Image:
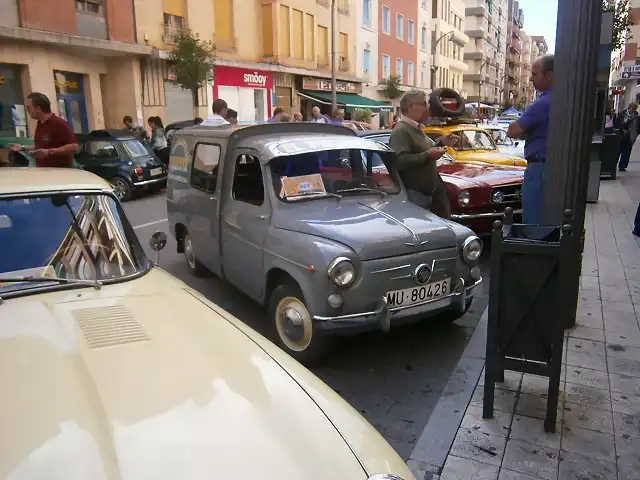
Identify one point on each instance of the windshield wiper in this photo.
(364, 189)
(34, 278)
(316, 195)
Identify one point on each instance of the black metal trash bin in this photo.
(527, 306)
(609, 155)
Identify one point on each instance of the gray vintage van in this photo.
(296, 216)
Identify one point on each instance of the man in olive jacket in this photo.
(416, 155)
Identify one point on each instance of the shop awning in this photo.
(349, 100)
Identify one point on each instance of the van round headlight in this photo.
(464, 198)
(342, 272)
(471, 249)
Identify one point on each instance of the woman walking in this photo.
(158, 140)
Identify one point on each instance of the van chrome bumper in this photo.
(383, 315)
(474, 216)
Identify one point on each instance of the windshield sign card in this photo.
(304, 185)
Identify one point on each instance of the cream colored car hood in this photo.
(141, 380)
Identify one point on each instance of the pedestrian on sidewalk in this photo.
(417, 154)
(297, 117)
(277, 113)
(232, 116)
(219, 108)
(628, 123)
(54, 141)
(317, 117)
(533, 127)
(337, 117)
(158, 141)
(138, 132)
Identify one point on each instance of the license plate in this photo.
(156, 171)
(411, 296)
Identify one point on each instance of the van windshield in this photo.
(333, 172)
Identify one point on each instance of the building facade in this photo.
(425, 18)
(624, 76)
(486, 26)
(513, 61)
(448, 43)
(82, 54)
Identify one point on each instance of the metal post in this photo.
(334, 97)
(571, 125)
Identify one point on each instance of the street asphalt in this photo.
(394, 380)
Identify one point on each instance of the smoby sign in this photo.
(242, 77)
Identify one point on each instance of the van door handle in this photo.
(262, 217)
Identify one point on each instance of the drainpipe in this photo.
(334, 96)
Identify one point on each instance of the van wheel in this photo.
(121, 188)
(196, 268)
(293, 325)
(450, 317)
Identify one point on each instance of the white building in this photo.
(423, 78)
(486, 26)
(367, 47)
(449, 41)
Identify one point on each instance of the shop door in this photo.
(71, 102)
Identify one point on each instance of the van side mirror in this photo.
(157, 242)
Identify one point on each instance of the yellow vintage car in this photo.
(113, 368)
(473, 144)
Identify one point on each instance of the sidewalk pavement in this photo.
(598, 432)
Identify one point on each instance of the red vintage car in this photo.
(479, 192)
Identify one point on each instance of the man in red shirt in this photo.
(55, 143)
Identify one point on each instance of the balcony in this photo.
(475, 77)
(473, 55)
(477, 11)
(475, 32)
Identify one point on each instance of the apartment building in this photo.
(423, 79)
(448, 44)
(525, 86)
(82, 54)
(486, 27)
(269, 53)
(624, 73)
(514, 53)
(541, 43)
(398, 40)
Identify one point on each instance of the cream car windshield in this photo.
(68, 238)
(472, 140)
(333, 173)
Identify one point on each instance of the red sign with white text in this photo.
(241, 77)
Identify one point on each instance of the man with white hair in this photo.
(417, 154)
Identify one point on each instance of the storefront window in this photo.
(13, 122)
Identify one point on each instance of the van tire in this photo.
(306, 342)
(193, 264)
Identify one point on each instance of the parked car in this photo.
(116, 369)
(124, 161)
(478, 192)
(287, 213)
(505, 144)
(473, 144)
(174, 127)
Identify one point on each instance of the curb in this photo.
(432, 448)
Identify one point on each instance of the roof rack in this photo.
(443, 121)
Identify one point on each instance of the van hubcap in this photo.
(188, 252)
(294, 325)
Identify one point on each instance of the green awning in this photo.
(349, 100)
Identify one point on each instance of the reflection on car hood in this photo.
(141, 380)
(372, 228)
(476, 174)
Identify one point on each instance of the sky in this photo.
(540, 17)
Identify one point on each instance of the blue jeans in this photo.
(532, 193)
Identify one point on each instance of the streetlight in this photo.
(334, 95)
(434, 68)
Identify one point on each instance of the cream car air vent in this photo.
(109, 326)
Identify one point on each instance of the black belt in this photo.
(535, 159)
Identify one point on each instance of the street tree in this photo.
(192, 63)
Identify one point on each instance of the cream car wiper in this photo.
(97, 284)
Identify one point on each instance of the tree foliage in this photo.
(362, 115)
(391, 87)
(192, 62)
(620, 21)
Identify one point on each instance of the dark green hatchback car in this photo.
(123, 160)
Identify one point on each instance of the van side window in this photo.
(247, 180)
(204, 174)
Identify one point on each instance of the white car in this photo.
(505, 144)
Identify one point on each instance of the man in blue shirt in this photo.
(533, 127)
